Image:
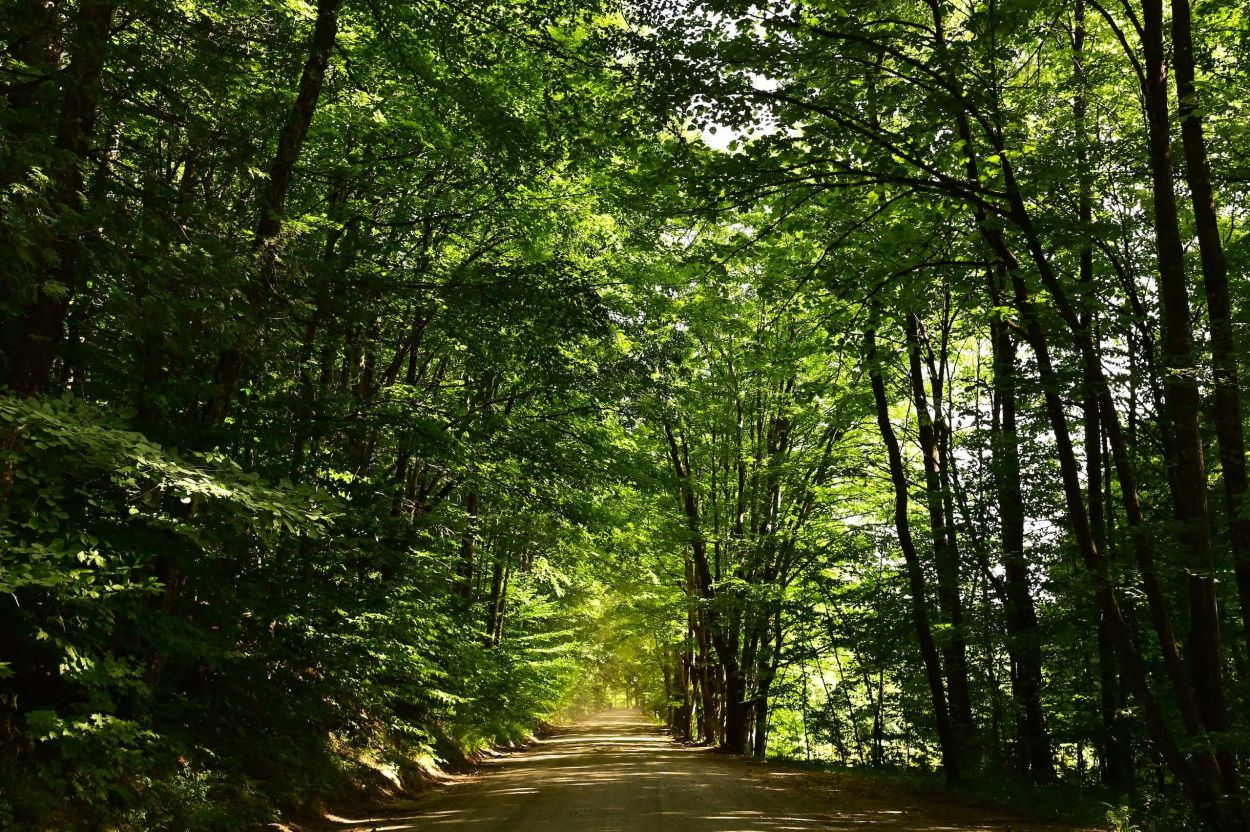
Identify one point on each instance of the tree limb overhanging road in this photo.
(858, 389)
(616, 772)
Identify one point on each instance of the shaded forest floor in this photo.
(615, 772)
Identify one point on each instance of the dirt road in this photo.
(615, 772)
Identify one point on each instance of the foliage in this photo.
(382, 381)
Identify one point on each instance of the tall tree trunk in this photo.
(709, 718)
(1226, 395)
(272, 208)
(39, 328)
(915, 573)
(41, 324)
(770, 657)
(1116, 770)
(498, 593)
(1203, 785)
(1181, 388)
(707, 685)
(1023, 638)
(945, 555)
(734, 704)
(686, 658)
(1093, 377)
(468, 543)
(1111, 753)
(496, 633)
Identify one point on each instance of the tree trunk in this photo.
(734, 739)
(1117, 764)
(260, 289)
(769, 659)
(707, 686)
(915, 573)
(41, 324)
(687, 692)
(1199, 786)
(946, 558)
(1181, 388)
(1204, 786)
(464, 566)
(1226, 396)
(498, 594)
(1023, 638)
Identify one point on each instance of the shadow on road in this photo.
(614, 772)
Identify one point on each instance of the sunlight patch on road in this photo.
(632, 779)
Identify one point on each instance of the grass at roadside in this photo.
(1087, 807)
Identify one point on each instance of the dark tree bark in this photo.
(734, 704)
(915, 573)
(1024, 640)
(1226, 396)
(1116, 771)
(1202, 785)
(1181, 388)
(770, 657)
(500, 569)
(272, 208)
(1108, 678)
(1205, 783)
(946, 558)
(41, 324)
(702, 674)
(468, 545)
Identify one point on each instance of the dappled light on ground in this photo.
(614, 772)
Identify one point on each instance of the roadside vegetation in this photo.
(859, 384)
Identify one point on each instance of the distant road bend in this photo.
(615, 772)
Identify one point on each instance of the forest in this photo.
(858, 383)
